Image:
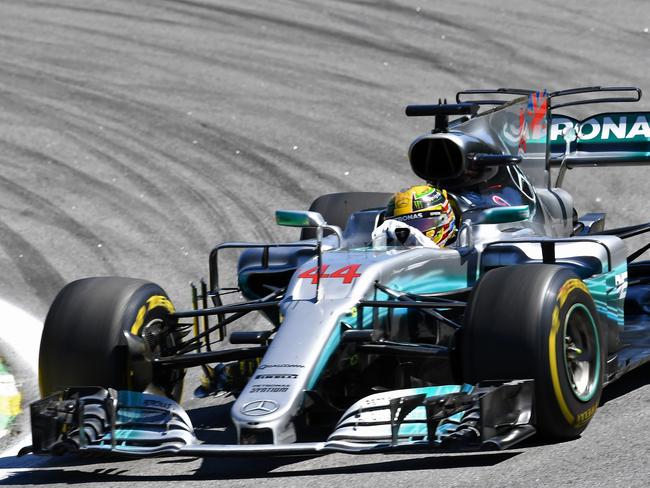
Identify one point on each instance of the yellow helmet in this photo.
(427, 209)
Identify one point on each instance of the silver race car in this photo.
(376, 344)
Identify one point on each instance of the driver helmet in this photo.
(427, 209)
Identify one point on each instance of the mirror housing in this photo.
(306, 218)
(299, 218)
(504, 215)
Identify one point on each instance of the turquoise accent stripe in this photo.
(331, 345)
(432, 282)
(609, 301)
(419, 413)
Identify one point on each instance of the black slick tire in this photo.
(538, 321)
(84, 342)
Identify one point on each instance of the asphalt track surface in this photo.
(136, 135)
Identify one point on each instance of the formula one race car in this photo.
(375, 345)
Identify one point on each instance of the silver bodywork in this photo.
(312, 327)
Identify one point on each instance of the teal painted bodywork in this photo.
(329, 349)
(433, 280)
(608, 292)
(418, 427)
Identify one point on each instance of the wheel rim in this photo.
(581, 352)
(169, 382)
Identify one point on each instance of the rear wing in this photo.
(605, 139)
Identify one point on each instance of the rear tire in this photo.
(84, 343)
(538, 321)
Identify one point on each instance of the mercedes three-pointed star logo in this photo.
(259, 407)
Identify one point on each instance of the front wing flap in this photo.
(485, 416)
(453, 418)
(98, 419)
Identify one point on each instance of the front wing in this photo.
(490, 416)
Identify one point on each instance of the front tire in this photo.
(538, 321)
(90, 330)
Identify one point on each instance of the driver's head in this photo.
(427, 209)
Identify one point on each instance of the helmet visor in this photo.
(423, 221)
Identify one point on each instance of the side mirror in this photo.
(502, 215)
(305, 218)
(299, 218)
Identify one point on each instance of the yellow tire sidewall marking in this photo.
(555, 378)
(153, 301)
(160, 301)
(568, 287)
(563, 294)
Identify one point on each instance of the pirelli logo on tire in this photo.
(153, 302)
(568, 287)
(583, 418)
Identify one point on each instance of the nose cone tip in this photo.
(259, 412)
